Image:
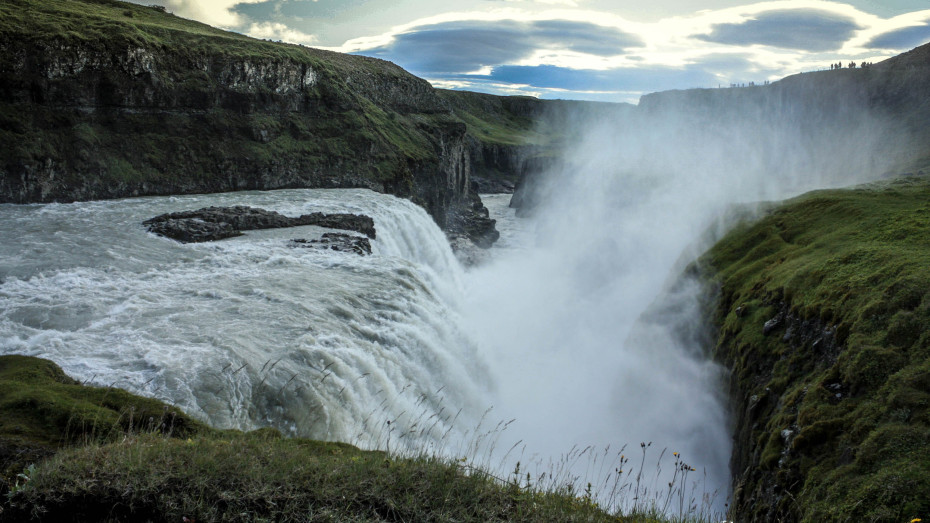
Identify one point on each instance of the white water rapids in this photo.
(249, 331)
(402, 349)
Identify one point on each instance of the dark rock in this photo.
(773, 324)
(350, 222)
(193, 230)
(216, 223)
(337, 241)
(472, 220)
(467, 252)
(239, 217)
(764, 493)
(491, 186)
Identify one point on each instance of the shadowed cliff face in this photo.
(133, 101)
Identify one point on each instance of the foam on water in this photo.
(247, 332)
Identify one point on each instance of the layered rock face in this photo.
(143, 110)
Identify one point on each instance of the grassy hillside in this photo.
(112, 96)
(75, 453)
(824, 319)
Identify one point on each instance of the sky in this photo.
(606, 50)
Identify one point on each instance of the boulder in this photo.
(192, 230)
(337, 241)
(216, 223)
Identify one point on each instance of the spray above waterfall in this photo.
(594, 333)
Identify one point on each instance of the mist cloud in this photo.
(803, 29)
(583, 37)
(593, 332)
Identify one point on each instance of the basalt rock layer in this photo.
(106, 99)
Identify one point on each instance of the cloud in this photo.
(803, 29)
(471, 45)
(457, 46)
(279, 31)
(583, 37)
(290, 10)
(219, 13)
(621, 80)
(905, 38)
(567, 3)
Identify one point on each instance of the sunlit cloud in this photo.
(470, 45)
(220, 13)
(904, 38)
(279, 31)
(558, 47)
(803, 29)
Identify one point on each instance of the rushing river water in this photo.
(251, 331)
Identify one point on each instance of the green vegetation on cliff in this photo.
(105, 98)
(824, 320)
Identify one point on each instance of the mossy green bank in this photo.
(824, 321)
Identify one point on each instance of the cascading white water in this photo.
(557, 332)
(249, 331)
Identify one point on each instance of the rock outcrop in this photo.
(822, 320)
(757, 492)
(336, 241)
(217, 223)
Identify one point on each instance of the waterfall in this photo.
(250, 332)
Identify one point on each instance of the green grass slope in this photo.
(833, 397)
(73, 453)
(42, 410)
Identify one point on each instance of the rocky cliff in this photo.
(105, 99)
(835, 114)
(862, 120)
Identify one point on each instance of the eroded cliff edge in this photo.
(822, 318)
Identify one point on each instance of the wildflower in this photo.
(916, 520)
(675, 454)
